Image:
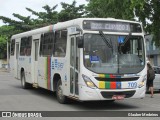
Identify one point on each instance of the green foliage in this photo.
(50, 16)
(119, 9)
(148, 12)
(18, 25)
(3, 46)
(28, 23)
(5, 34)
(70, 12)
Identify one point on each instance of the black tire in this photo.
(24, 84)
(59, 93)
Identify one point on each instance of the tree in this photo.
(119, 9)
(50, 16)
(23, 24)
(70, 11)
(3, 43)
(27, 23)
(3, 46)
(148, 12)
(6, 32)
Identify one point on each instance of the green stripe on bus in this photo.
(107, 85)
(107, 76)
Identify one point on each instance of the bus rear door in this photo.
(35, 62)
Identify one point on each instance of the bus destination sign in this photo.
(112, 26)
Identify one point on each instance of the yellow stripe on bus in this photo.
(101, 84)
(102, 75)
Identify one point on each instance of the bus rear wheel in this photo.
(59, 92)
(24, 84)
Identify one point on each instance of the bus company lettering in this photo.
(57, 65)
(111, 26)
(119, 27)
(21, 59)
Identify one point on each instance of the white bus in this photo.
(84, 59)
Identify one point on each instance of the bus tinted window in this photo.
(12, 46)
(25, 48)
(60, 43)
(28, 46)
(46, 47)
(40, 52)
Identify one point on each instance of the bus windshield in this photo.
(113, 54)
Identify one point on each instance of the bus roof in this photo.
(66, 24)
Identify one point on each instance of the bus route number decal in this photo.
(132, 84)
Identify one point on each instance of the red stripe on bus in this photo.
(113, 85)
(112, 76)
(49, 72)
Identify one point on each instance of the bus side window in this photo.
(23, 46)
(46, 46)
(28, 46)
(12, 46)
(60, 43)
(41, 45)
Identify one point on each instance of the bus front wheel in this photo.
(59, 92)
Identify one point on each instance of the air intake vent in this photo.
(117, 79)
(109, 94)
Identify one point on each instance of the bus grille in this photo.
(109, 94)
(117, 79)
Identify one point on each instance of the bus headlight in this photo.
(88, 81)
(142, 83)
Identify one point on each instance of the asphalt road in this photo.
(14, 98)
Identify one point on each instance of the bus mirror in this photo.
(80, 41)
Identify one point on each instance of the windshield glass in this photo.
(113, 54)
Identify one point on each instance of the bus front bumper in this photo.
(89, 94)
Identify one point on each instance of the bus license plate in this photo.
(118, 97)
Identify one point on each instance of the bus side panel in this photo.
(42, 72)
(12, 65)
(48, 67)
(59, 66)
(25, 63)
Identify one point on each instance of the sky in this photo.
(8, 7)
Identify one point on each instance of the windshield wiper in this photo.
(127, 38)
(106, 40)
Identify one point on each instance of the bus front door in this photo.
(74, 66)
